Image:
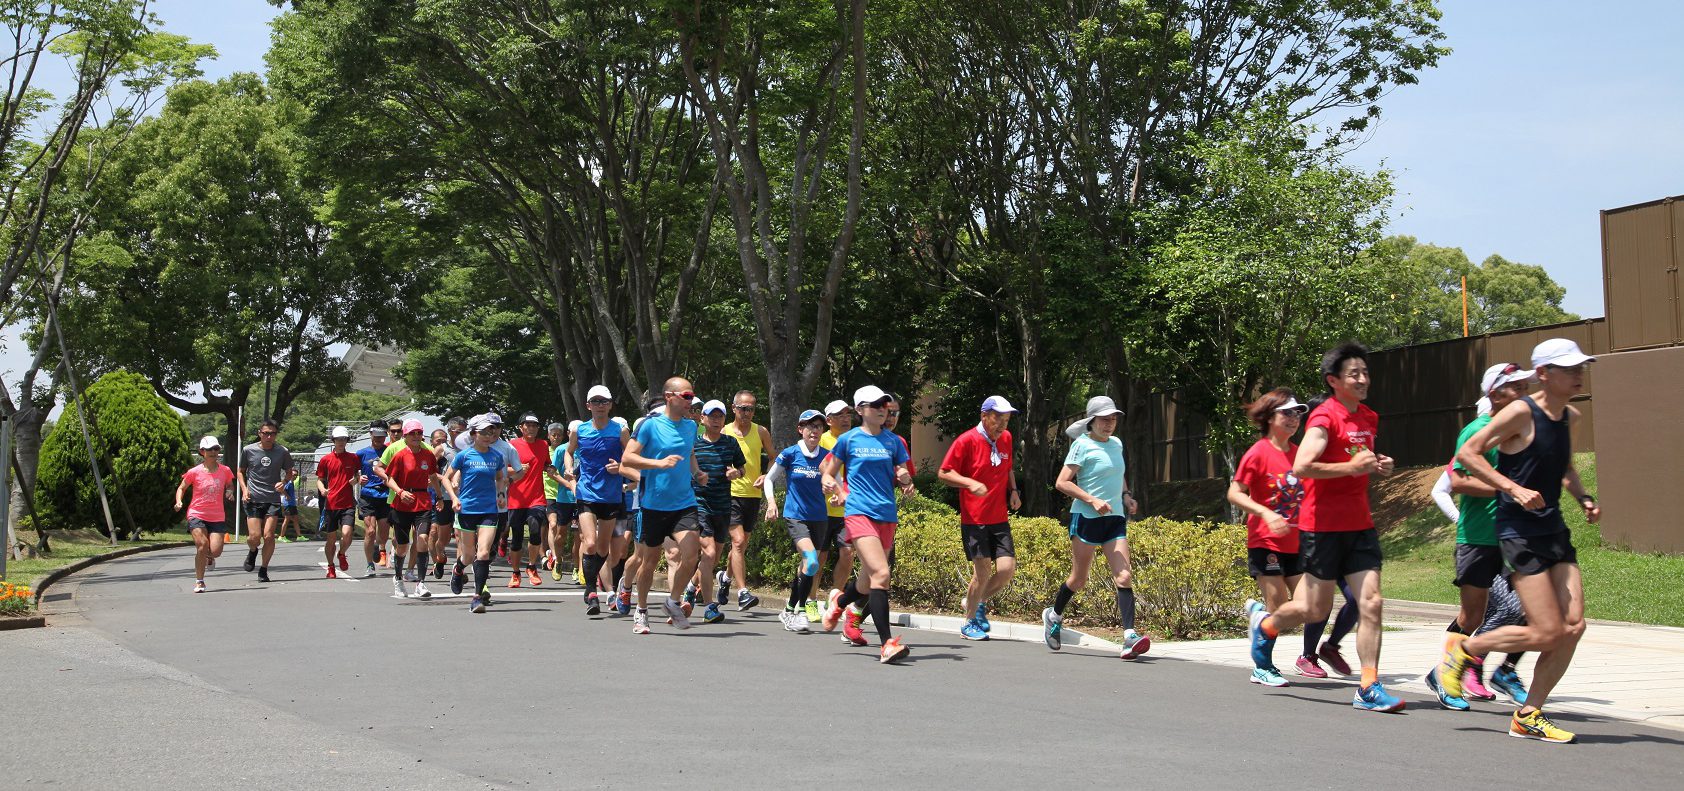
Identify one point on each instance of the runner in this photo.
(1095, 478)
(557, 539)
(1479, 559)
(336, 476)
(289, 514)
(871, 462)
(207, 516)
(746, 503)
(268, 469)
(528, 511)
(477, 474)
(593, 468)
(804, 513)
(979, 465)
(1336, 529)
(444, 514)
(663, 449)
(1534, 463)
(411, 473)
(371, 498)
(1265, 488)
(839, 419)
(721, 459)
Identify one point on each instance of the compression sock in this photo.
(1062, 599)
(397, 565)
(592, 570)
(878, 605)
(850, 595)
(619, 573)
(1369, 676)
(1344, 621)
(1312, 637)
(798, 589)
(1125, 606)
(1511, 661)
(482, 575)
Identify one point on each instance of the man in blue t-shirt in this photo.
(372, 505)
(663, 450)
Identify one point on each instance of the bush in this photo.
(1189, 577)
(142, 449)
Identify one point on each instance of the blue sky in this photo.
(1547, 112)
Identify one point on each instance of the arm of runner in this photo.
(954, 479)
(1240, 495)
(1507, 423)
(1571, 483)
(1441, 496)
(1066, 485)
(632, 458)
(181, 491)
(450, 480)
(1305, 465)
(571, 458)
(829, 468)
(1463, 483)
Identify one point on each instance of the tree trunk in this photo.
(26, 444)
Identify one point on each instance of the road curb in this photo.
(1002, 630)
(60, 573)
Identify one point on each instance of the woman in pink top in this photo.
(213, 487)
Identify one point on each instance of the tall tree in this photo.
(1425, 301)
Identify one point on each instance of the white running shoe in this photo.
(409, 576)
(397, 588)
(421, 591)
(802, 625)
(640, 622)
(676, 614)
(199, 586)
(787, 618)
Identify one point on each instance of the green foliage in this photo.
(1189, 576)
(142, 448)
(1425, 299)
(483, 350)
(306, 424)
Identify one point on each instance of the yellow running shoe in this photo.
(555, 572)
(1450, 671)
(579, 576)
(1537, 726)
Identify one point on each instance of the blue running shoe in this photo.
(1375, 698)
(981, 617)
(971, 631)
(1262, 647)
(1508, 682)
(1268, 677)
(476, 606)
(1448, 701)
(711, 614)
(1052, 628)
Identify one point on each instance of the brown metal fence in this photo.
(1424, 395)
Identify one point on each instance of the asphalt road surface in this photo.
(311, 682)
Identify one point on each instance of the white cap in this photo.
(491, 419)
(340, 432)
(1559, 352)
(870, 394)
(1291, 405)
(836, 407)
(1098, 406)
(695, 401)
(714, 405)
(598, 391)
(1496, 376)
(997, 404)
(533, 419)
(207, 442)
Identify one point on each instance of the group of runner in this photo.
(690, 480)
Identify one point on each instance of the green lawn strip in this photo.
(68, 550)
(1619, 585)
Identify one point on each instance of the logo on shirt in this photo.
(265, 461)
(1289, 494)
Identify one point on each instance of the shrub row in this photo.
(1189, 577)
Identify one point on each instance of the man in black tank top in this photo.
(1534, 463)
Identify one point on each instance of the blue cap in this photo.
(809, 414)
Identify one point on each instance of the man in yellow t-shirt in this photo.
(746, 498)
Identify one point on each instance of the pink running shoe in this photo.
(851, 627)
(1473, 687)
(1308, 668)
(1335, 661)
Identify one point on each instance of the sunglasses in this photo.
(1295, 411)
(685, 394)
(599, 402)
(744, 407)
(217, 449)
(265, 433)
(894, 413)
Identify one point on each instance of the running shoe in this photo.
(802, 625)
(687, 607)
(397, 587)
(1268, 677)
(385, 561)
(680, 618)
(746, 600)
(832, 611)
(851, 628)
(593, 605)
(690, 596)
(199, 586)
(1308, 668)
(485, 595)
(1375, 698)
(787, 618)
(1450, 670)
(438, 570)
(812, 610)
(532, 577)
(981, 617)
(723, 587)
(579, 576)
(711, 614)
(421, 591)
(409, 576)
(514, 579)
(369, 572)
(1473, 682)
(1451, 703)
(622, 602)
(1135, 644)
(344, 564)
(251, 560)
(1262, 646)
(1329, 653)
(555, 572)
(972, 631)
(893, 651)
(476, 605)
(1508, 682)
(458, 579)
(549, 558)
(263, 574)
(1537, 726)
(640, 622)
(1052, 628)
(332, 573)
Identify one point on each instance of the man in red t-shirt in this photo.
(979, 465)
(336, 481)
(1336, 531)
(414, 467)
(528, 510)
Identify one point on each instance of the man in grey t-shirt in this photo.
(267, 468)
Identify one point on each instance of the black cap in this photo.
(379, 424)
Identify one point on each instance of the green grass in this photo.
(1619, 585)
(71, 547)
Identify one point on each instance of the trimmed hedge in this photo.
(1189, 577)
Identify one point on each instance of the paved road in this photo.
(333, 682)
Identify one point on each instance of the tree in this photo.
(1425, 302)
(483, 351)
(142, 448)
(307, 424)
